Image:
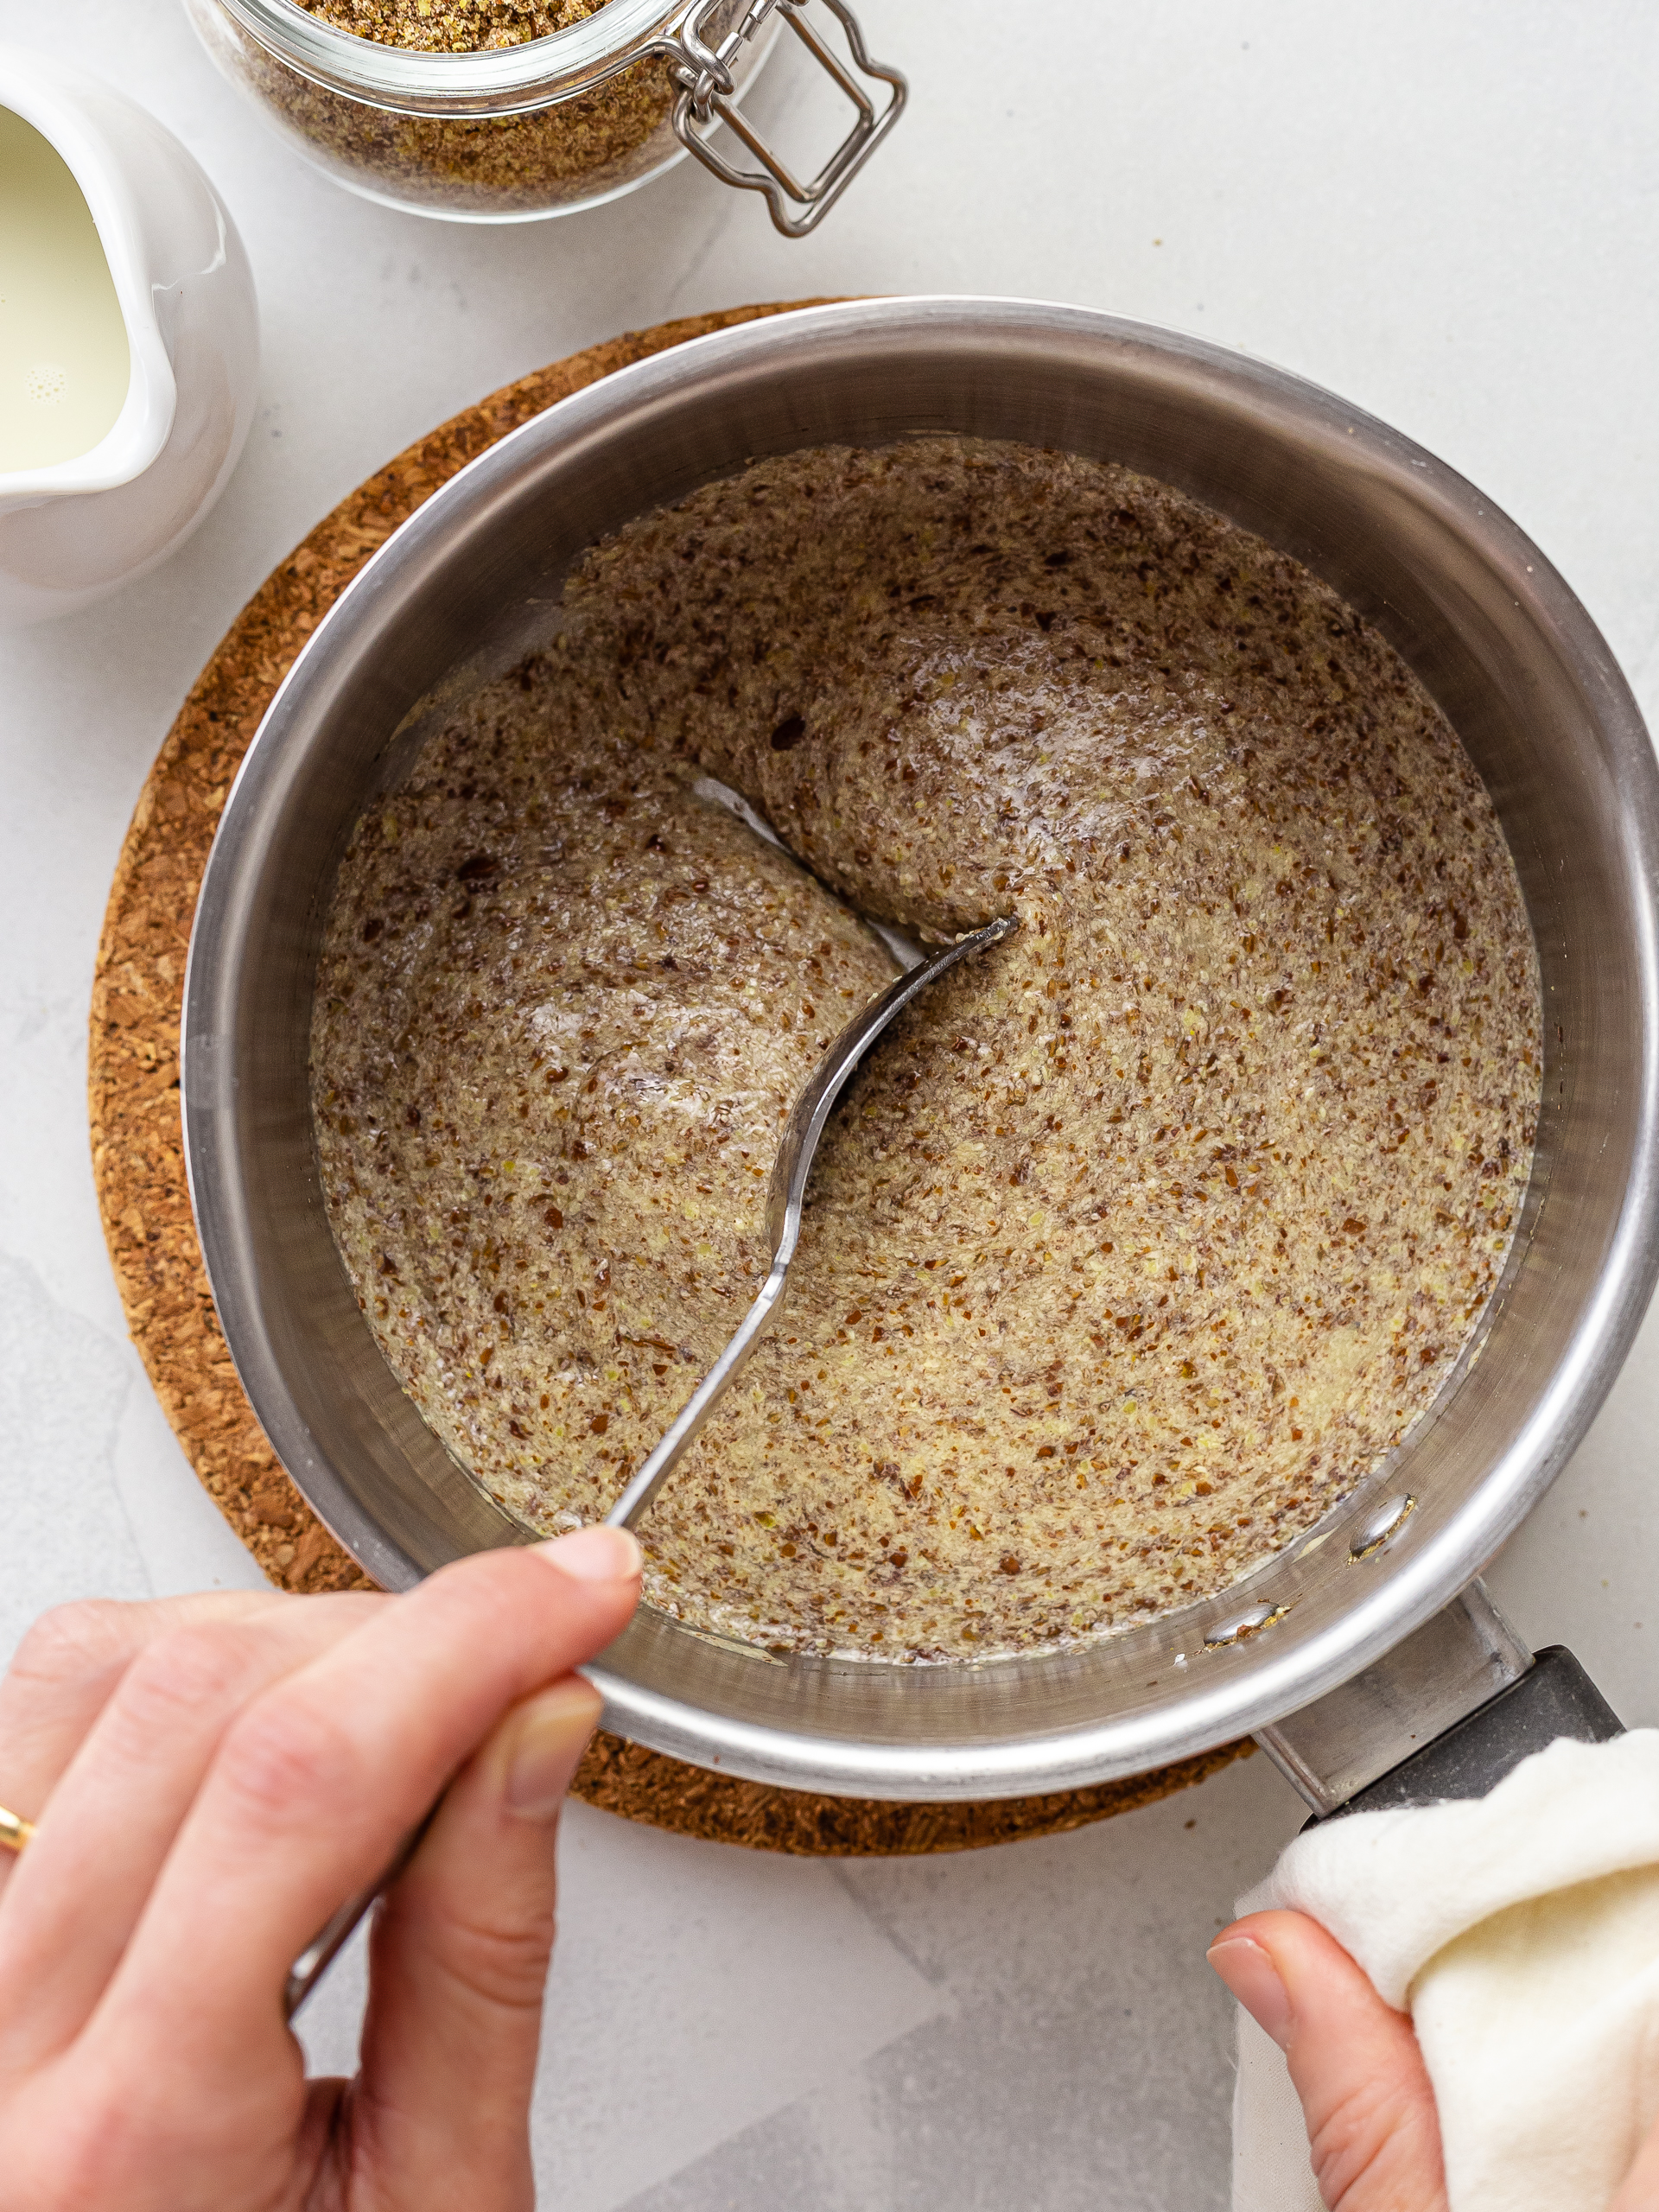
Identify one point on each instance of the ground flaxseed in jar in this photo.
(450, 25)
(1140, 1241)
(578, 147)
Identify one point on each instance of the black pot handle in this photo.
(1554, 1698)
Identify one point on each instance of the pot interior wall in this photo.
(475, 577)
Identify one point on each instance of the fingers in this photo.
(63, 1672)
(64, 1669)
(458, 1966)
(321, 1778)
(113, 1814)
(1372, 2128)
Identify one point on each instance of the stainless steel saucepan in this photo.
(1350, 1650)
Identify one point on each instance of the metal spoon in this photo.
(785, 1194)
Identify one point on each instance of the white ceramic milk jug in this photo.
(129, 339)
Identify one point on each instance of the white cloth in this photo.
(1521, 1931)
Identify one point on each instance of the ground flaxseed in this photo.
(1142, 1238)
(450, 25)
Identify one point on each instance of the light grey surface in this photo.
(1447, 211)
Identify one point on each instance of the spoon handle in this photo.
(701, 1403)
(338, 1930)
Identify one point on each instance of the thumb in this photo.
(458, 1962)
(1371, 2124)
(1639, 2191)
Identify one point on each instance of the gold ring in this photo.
(14, 1830)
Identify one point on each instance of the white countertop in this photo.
(1446, 210)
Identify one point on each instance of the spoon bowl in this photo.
(785, 1195)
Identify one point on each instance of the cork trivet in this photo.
(138, 1163)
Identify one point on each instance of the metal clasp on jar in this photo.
(703, 71)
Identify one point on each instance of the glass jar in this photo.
(510, 133)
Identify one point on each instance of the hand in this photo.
(211, 1778)
(1372, 2129)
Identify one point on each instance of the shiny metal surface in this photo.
(1450, 1668)
(15, 1833)
(707, 97)
(473, 578)
(785, 1196)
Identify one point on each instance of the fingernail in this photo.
(596, 1555)
(547, 1746)
(1254, 1979)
